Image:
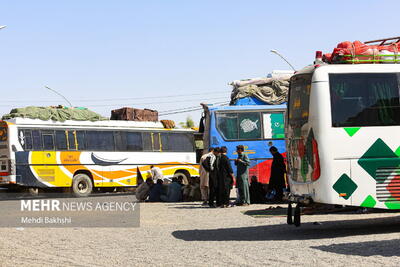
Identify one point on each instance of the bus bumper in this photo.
(7, 180)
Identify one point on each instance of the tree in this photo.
(188, 124)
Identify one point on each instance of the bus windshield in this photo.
(365, 99)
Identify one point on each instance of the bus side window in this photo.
(71, 140)
(249, 125)
(80, 137)
(156, 141)
(227, 125)
(147, 142)
(48, 140)
(25, 137)
(120, 141)
(165, 142)
(100, 140)
(134, 141)
(37, 140)
(181, 142)
(61, 140)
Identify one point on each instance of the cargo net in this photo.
(377, 51)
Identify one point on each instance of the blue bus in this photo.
(257, 127)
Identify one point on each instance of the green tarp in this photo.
(54, 113)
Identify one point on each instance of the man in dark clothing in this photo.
(278, 170)
(213, 179)
(156, 191)
(257, 193)
(225, 179)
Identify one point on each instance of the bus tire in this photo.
(82, 185)
(297, 220)
(185, 176)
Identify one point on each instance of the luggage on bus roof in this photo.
(55, 113)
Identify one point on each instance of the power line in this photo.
(126, 98)
(189, 110)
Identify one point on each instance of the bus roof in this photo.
(252, 107)
(343, 68)
(93, 124)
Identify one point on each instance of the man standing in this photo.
(278, 170)
(213, 180)
(225, 179)
(242, 177)
(206, 163)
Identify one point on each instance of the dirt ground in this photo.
(186, 234)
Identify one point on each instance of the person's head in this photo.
(174, 180)
(211, 149)
(180, 180)
(254, 179)
(273, 150)
(149, 181)
(152, 166)
(159, 181)
(216, 151)
(223, 150)
(240, 149)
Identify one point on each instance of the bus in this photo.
(256, 127)
(84, 155)
(343, 132)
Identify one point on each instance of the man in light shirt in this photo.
(206, 165)
(156, 173)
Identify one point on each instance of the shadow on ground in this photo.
(385, 248)
(283, 232)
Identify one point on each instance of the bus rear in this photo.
(255, 127)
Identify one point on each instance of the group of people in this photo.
(217, 178)
(216, 181)
(155, 190)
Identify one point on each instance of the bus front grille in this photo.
(388, 184)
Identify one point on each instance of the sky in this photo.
(166, 55)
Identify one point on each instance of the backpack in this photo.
(207, 164)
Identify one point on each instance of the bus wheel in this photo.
(82, 185)
(184, 175)
(289, 214)
(296, 220)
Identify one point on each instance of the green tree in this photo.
(188, 124)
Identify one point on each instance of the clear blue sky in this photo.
(94, 51)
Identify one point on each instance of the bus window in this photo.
(156, 141)
(227, 125)
(249, 125)
(80, 137)
(37, 140)
(25, 138)
(71, 140)
(147, 143)
(48, 140)
(100, 140)
(134, 141)
(274, 126)
(299, 100)
(365, 99)
(164, 142)
(61, 140)
(180, 142)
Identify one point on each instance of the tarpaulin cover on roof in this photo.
(54, 113)
(271, 91)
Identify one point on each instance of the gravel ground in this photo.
(177, 234)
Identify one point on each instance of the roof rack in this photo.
(385, 41)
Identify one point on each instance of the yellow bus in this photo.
(84, 155)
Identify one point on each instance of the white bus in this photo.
(343, 136)
(83, 155)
